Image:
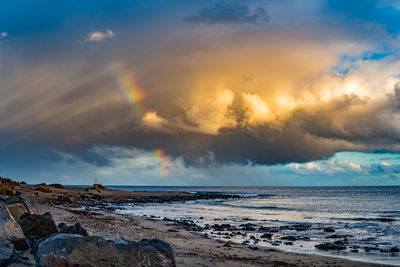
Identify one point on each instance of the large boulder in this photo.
(24, 200)
(16, 210)
(36, 226)
(10, 230)
(104, 251)
(6, 251)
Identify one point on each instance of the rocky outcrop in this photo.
(102, 251)
(6, 251)
(338, 245)
(66, 199)
(16, 210)
(24, 200)
(10, 230)
(36, 226)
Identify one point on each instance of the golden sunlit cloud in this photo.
(264, 96)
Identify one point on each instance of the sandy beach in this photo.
(191, 248)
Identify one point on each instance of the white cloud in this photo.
(3, 34)
(385, 164)
(98, 36)
(328, 167)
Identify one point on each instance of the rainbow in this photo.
(130, 93)
(165, 164)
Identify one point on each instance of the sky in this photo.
(256, 92)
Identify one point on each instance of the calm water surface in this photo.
(361, 216)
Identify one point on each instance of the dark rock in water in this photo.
(289, 243)
(222, 227)
(24, 200)
(104, 251)
(253, 248)
(10, 230)
(290, 237)
(267, 235)
(367, 249)
(16, 210)
(338, 245)
(389, 250)
(335, 236)
(248, 227)
(6, 251)
(301, 227)
(263, 228)
(386, 219)
(329, 230)
(73, 229)
(3, 198)
(36, 226)
(354, 250)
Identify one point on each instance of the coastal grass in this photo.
(7, 186)
(6, 190)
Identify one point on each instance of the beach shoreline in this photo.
(192, 248)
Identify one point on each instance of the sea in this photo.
(365, 219)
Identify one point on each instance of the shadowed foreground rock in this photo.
(6, 251)
(102, 251)
(10, 230)
(36, 226)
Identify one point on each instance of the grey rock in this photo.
(73, 229)
(17, 210)
(3, 198)
(6, 251)
(104, 251)
(10, 229)
(36, 226)
(24, 200)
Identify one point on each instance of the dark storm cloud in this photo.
(74, 102)
(228, 13)
(396, 96)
